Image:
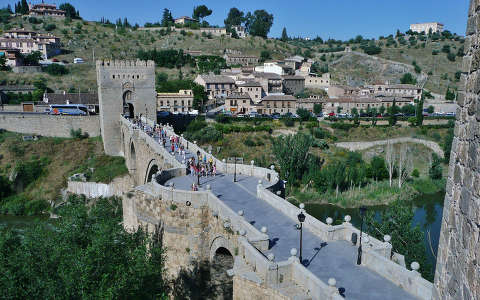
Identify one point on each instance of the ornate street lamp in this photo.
(198, 167)
(363, 210)
(301, 219)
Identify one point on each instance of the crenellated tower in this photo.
(124, 87)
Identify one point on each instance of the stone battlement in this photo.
(125, 64)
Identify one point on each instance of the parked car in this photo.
(332, 114)
(78, 60)
(342, 116)
(240, 116)
(320, 115)
(450, 114)
(254, 114)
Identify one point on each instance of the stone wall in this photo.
(94, 189)
(246, 289)
(48, 125)
(458, 261)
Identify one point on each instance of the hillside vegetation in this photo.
(32, 173)
(424, 57)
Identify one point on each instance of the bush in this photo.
(205, 135)
(49, 27)
(221, 118)
(320, 133)
(451, 56)
(415, 173)
(249, 143)
(77, 134)
(289, 122)
(56, 69)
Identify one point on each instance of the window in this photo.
(113, 76)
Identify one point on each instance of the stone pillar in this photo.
(458, 261)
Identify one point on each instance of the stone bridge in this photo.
(252, 224)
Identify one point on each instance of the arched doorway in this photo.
(151, 173)
(222, 262)
(133, 158)
(128, 109)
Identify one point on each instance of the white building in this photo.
(270, 68)
(426, 27)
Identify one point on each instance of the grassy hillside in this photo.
(90, 40)
(38, 170)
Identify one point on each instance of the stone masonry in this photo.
(124, 85)
(458, 260)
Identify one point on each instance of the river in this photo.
(428, 215)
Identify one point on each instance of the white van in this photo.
(78, 60)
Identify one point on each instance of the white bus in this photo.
(69, 109)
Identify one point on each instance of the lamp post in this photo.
(301, 219)
(363, 209)
(235, 169)
(198, 167)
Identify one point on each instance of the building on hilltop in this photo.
(216, 86)
(30, 41)
(409, 91)
(426, 27)
(215, 31)
(45, 10)
(185, 20)
(241, 103)
(275, 67)
(293, 85)
(175, 102)
(295, 62)
(271, 82)
(240, 30)
(312, 81)
(253, 89)
(279, 104)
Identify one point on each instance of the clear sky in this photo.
(339, 19)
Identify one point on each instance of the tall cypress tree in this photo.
(284, 35)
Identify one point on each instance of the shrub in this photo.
(56, 69)
(49, 27)
(221, 118)
(451, 56)
(289, 122)
(249, 143)
(320, 133)
(415, 173)
(77, 134)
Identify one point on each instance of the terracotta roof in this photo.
(73, 98)
(402, 86)
(279, 98)
(352, 100)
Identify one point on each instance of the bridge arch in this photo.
(222, 260)
(152, 168)
(128, 108)
(133, 157)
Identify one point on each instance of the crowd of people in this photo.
(206, 166)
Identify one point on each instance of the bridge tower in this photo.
(458, 273)
(124, 87)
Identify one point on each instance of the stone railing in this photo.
(219, 209)
(278, 274)
(269, 175)
(410, 281)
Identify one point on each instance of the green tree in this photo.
(378, 168)
(392, 111)
(435, 171)
(291, 153)
(235, 17)
(70, 11)
(354, 111)
(33, 58)
(451, 56)
(85, 254)
(430, 109)
(303, 114)
(284, 37)
(167, 19)
(407, 240)
(56, 69)
(3, 64)
(408, 78)
(447, 144)
(200, 12)
(265, 55)
(259, 23)
(419, 113)
(450, 95)
(317, 108)
(381, 110)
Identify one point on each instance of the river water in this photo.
(428, 215)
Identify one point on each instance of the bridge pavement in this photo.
(335, 259)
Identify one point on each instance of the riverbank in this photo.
(373, 194)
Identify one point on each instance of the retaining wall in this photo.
(94, 190)
(48, 125)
